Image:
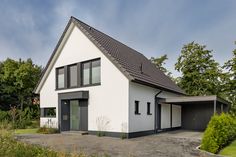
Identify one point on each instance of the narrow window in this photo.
(136, 107)
(60, 78)
(148, 108)
(73, 76)
(86, 73)
(96, 72)
(48, 112)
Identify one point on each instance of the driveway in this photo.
(169, 144)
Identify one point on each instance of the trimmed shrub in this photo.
(221, 130)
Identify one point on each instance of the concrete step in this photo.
(74, 132)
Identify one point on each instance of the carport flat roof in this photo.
(185, 99)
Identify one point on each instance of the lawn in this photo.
(26, 131)
(229, 150)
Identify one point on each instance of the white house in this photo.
(94, 83)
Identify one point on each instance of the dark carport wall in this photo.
(197, 110)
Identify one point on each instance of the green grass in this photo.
(26, 131)
(229, 150)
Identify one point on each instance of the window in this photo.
(73, 76)
(60, 78)
(48, 112)
(96, 71)
(91, 72)
(148, 108)
(136, 107)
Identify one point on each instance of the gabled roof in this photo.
(134, 65)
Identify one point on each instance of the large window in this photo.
(48, 112)
(60, 78)
(91, 72)
(73, 76)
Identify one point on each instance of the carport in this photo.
(196, 111)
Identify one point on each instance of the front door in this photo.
(74, 115)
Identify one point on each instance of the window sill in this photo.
(137, 113)
(149, 114)
(82, 86)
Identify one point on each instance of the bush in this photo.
(220, 131)
(4, 115)
(45, 130)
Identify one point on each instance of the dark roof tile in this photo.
(129, 59)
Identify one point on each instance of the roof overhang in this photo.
(194, 99)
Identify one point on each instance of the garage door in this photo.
(170, 116)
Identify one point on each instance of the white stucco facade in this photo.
(108, 101)
(113, 100)
(144, 94)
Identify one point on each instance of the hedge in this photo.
(221, 130)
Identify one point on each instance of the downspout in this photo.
(156, 113)
(214, 106)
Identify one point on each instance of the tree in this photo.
(201, 74)
(230, 81)
(18, 79)
(160, 62)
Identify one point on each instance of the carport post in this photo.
(214, 106)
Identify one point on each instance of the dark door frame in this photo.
(78, 95)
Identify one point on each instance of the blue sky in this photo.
(31, 28)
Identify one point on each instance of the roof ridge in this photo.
(106, 35)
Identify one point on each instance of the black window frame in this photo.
(57, 72)
(43, 112)
(69, 76)
(90, 73)
(136, 107)
(149, 108)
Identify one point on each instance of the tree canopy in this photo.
(160, 62)
(17, 79)
(200, 72)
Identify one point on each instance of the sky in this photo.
(32, 28)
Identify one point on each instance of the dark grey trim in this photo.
(65, 77)
(140, 133)
(79, 78)
(171, 115)
(120, 134)
(169, 129)
(110, 134)
(74, 95)
(157, 115)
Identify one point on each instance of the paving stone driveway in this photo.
(170, 144)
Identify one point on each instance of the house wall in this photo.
(143, 94)
(108, 102)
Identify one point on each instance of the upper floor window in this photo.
(91, 72)
(73, 75)
(60, 78)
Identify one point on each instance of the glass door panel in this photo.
(74, 115)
